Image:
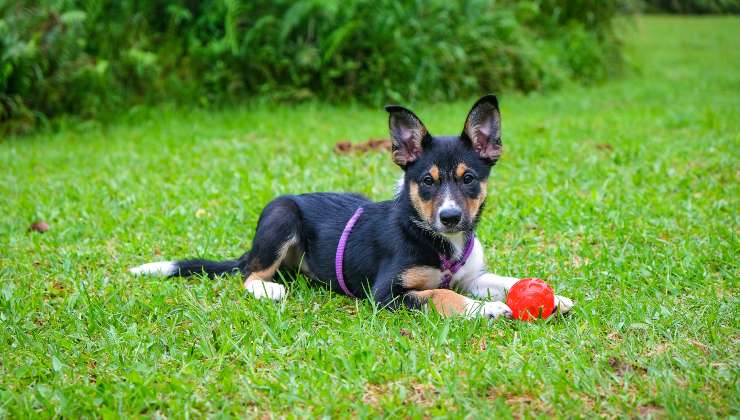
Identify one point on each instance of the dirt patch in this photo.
(651, 411)
(39, 226)
(373, 393)
(522, 405)
(621, 367)
(346, 147)
(482, 344)
(424, 395)
(658, 350)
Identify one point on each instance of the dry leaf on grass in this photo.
(39, 226)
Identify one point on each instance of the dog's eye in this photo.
(428, 180)
(468, 178)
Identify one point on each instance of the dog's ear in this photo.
(407, 134)
(483, 128)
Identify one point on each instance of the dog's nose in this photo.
(450, 217)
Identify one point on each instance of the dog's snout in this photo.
(450, 217)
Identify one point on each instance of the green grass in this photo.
(624, 196)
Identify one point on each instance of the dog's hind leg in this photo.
(277, 237)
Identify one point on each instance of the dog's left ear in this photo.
(483, 128)
(407, 134)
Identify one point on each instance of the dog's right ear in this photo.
(407, 134)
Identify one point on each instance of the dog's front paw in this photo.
(563, 304)
(487, 309)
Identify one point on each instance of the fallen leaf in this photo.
(39, 226)
(342, 147)
(621, 367)
(701, 346)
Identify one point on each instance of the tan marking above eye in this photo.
(421, 278)
(460, 170)
(425, 208)
(434, 172)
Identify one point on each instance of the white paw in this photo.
(563, 304)
(487, 309)
(265, 289)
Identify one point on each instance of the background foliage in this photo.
(87, 56)
(692, 6)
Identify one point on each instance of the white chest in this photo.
(473, 267)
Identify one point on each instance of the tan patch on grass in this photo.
(424, 395)
(522, 405)
(486, 342)
(482, 344)
(58, 286)
(651, 411)
(91, 372)
(578, 261)
(622, 367)
(658, 350)
(699, 345)
(373, 393)
(417, 393)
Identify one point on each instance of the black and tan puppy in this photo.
(406, 251)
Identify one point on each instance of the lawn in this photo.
(624, 196)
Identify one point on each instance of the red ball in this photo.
(530, 299)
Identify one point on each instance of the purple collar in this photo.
(339, 259)
(451, 266)
(448, 267)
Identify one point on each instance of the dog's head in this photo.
(445, 177)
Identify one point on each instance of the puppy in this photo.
(411, 251)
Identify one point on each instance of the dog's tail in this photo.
(187, 268)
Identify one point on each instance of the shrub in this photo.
(692, 6)
(88, 56)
